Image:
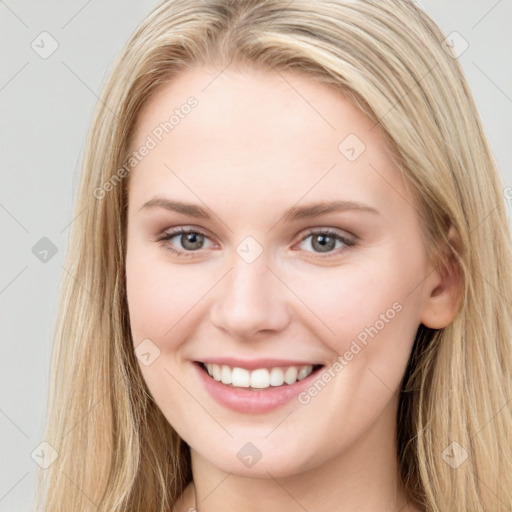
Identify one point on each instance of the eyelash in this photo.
(348, 243)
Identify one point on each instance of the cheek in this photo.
(374, 318)
(159, 295)
(363, 301)
(160, 303)
(370, 318)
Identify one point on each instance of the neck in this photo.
(363, 477)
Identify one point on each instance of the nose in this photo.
(251, 299)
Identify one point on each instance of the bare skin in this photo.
(255, 146)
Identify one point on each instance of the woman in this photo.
(290, 285)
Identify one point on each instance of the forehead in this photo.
(272, 108)
(255, 133)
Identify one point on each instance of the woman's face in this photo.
(305, 249)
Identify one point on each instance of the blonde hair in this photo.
(116, 451)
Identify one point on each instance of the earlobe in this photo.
(443, 290)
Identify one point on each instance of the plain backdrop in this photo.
(46, 108)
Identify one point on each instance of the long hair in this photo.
(115, 450)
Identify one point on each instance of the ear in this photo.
(443, 289)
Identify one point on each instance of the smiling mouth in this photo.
(258, 379)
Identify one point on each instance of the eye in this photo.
(324, 241)
(190, 240)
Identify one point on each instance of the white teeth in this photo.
(261, 378)
(240, 378)
(304, 372)
(216, 371)
(290, 375)
(276, 377)
(226, 374)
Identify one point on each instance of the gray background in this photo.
(46, 107)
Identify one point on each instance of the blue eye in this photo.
(190, 239)
(323, 241)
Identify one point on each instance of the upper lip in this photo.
(254, 364)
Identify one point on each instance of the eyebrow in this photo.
(309, 211)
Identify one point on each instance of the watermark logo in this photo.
(454, 455)
(44, 250)
(44, 45)
(351, 147)
(249, 454)
(249, 249)
(147, 352)
(44, 455)
(454, 45)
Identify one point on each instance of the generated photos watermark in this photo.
(151, 142)
(356, 346)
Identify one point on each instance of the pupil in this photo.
(325, 243)
(191, 240)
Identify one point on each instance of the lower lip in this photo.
(249, 401)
